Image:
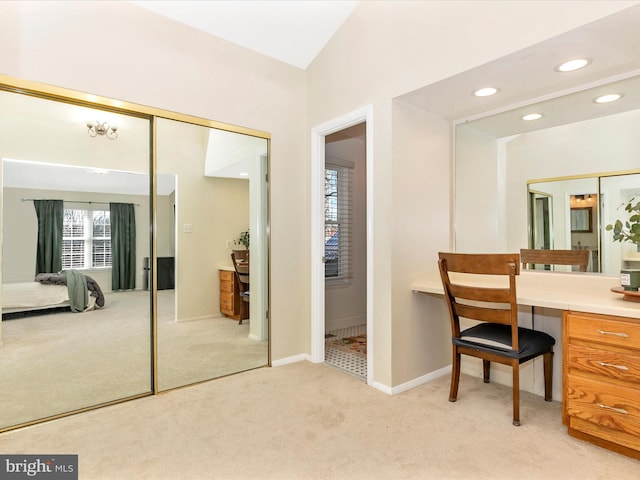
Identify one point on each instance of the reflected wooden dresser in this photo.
(229, 294)
(601, 380)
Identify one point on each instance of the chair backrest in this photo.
(242, 270)
(579, 258)
(477, 297)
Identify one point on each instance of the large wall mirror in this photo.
(550, 183)
(117, 227)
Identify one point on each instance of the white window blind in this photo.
(86, 239)
(338, 222)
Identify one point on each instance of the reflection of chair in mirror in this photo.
(497, 337)
(579, 258)
(241, 267)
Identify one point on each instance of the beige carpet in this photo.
(306, 421)
(56, 363)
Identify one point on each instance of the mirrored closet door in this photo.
(214, 192)
(75, 199)
(118, 222)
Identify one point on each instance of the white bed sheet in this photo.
(18, 297)
(33, 294)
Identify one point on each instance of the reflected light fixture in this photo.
(532, 116)
(96, 128)
(243, 174)
(611, 97)
(485, 92)
(573, 65)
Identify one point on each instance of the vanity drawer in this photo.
(226, 303)
(607, 364)
(226, 275)
(226, 286)
(613, 411)
(609, 331)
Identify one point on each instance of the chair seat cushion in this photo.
(494, 337)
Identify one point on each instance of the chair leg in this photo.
(516, 392)
(548, 375)
(486, 371)
(455, 375)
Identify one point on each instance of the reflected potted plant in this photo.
(242, 240)
(628, 231)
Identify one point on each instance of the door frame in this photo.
(318, 134)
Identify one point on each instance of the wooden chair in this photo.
(579, 258)
(241, 267)
(497, 338)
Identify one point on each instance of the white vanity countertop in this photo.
(579, 292)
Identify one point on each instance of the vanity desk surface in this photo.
(601, 352)
(580, 292)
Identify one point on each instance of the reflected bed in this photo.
(35, 297)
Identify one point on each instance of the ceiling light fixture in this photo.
(243, 174)
(573, 65)
(532, 116)
(485, 92)
(96, 128)
(611, 97)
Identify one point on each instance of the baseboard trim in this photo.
(301, 357)
(416, 382)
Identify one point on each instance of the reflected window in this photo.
(86, 239)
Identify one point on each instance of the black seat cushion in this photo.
(496, 338)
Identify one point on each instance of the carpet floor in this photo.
(51, 364)
(309, 421)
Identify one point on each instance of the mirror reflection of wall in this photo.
(574, 138)
(213, 176)
(55, 360)
(95, 181)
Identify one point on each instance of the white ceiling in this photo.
(528, 76)
(291, 31)
(295, 32)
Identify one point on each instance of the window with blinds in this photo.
(337, 222)
(86, 239)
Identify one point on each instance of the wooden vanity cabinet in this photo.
(229, 295)
(601, 380)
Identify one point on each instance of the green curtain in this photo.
(50, 215)
(123, 246)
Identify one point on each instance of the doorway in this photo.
(342, 307)
(345, 248)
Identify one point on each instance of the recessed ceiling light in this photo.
(532, 116)
(611, 97)
(573, 65)
(243, 174)
(486, 92)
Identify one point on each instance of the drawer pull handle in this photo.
(618, 410)
(617, 334)
(619, 367)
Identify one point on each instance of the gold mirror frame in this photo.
(59, 94)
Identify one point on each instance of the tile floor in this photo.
(349, 362)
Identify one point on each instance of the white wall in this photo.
(217, 209)
(383, 50)
(346, 304)
(150, 60)
(20, 232)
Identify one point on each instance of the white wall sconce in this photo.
(96, 128)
